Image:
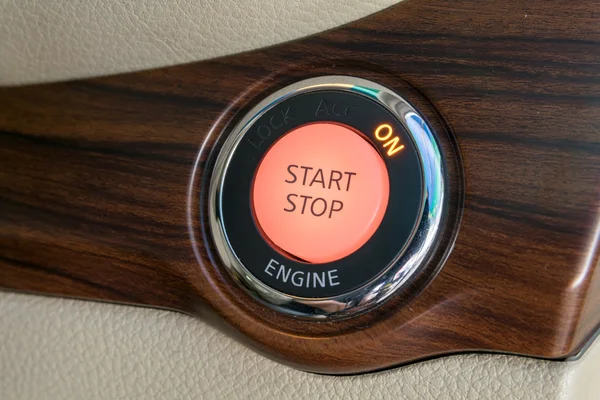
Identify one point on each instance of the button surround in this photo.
(394, 253)
(384, 246)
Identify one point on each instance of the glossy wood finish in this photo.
(95, 178)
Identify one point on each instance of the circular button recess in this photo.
(320, 203)
(327, 196)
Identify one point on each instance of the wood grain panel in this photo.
(96, 177)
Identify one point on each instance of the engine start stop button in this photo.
(326, 196)
(320, 203)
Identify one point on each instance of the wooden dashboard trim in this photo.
(96, 177)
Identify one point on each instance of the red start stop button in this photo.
(320, 192)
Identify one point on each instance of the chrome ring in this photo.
(415, 253)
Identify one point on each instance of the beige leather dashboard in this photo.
(49, 40)
(70, 349)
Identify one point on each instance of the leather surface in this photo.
(54, 348)
(48, 40)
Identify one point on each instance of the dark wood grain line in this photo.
(198, 101)
(534, 216)
(131, 150)
(564, 145)
(62, 274)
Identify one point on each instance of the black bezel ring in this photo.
(387, 262)
(385, 245)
